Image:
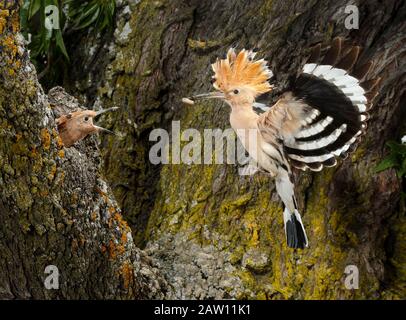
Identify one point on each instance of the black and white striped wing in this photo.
(338, 98)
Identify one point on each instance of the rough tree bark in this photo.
(55, 207)
(211, 232)
(217, 234)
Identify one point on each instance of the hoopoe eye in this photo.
(236, 91)
(86, 119)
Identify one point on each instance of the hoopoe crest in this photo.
(238, 79)
(241, 70)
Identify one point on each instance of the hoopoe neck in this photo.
(243, 117)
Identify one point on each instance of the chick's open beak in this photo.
(204, 96)
(98, 113)
(104, 129)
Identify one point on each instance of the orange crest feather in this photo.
(241, 70)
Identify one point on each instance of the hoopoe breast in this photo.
(244, 121)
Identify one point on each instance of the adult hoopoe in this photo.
(77, 125)
(321, 116)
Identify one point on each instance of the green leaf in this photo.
(35, 5)
(388, 162)
(36, 46)
(52, 2)
(89, 19)
(97, 12)
(402, 170)
(396, 147)
(24, 18)
(60, 43)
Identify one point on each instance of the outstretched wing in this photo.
(325, 113)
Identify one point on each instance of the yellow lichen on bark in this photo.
(127, 273)
(3, 22)
(45, 138)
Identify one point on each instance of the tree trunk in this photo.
(55, 207)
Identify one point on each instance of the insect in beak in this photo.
(204, 96)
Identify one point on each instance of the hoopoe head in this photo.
(238, 79)
(77, 125)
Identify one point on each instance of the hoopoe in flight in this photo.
(321, 116)
(77, 125)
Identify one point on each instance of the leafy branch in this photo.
(396, 159)
(47, 45)
(99, 13)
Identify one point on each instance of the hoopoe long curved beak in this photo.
(203, 96)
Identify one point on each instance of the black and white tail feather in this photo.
(337, 97)
(294, 230)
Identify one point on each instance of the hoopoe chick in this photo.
(77, 125)
(321, 116)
